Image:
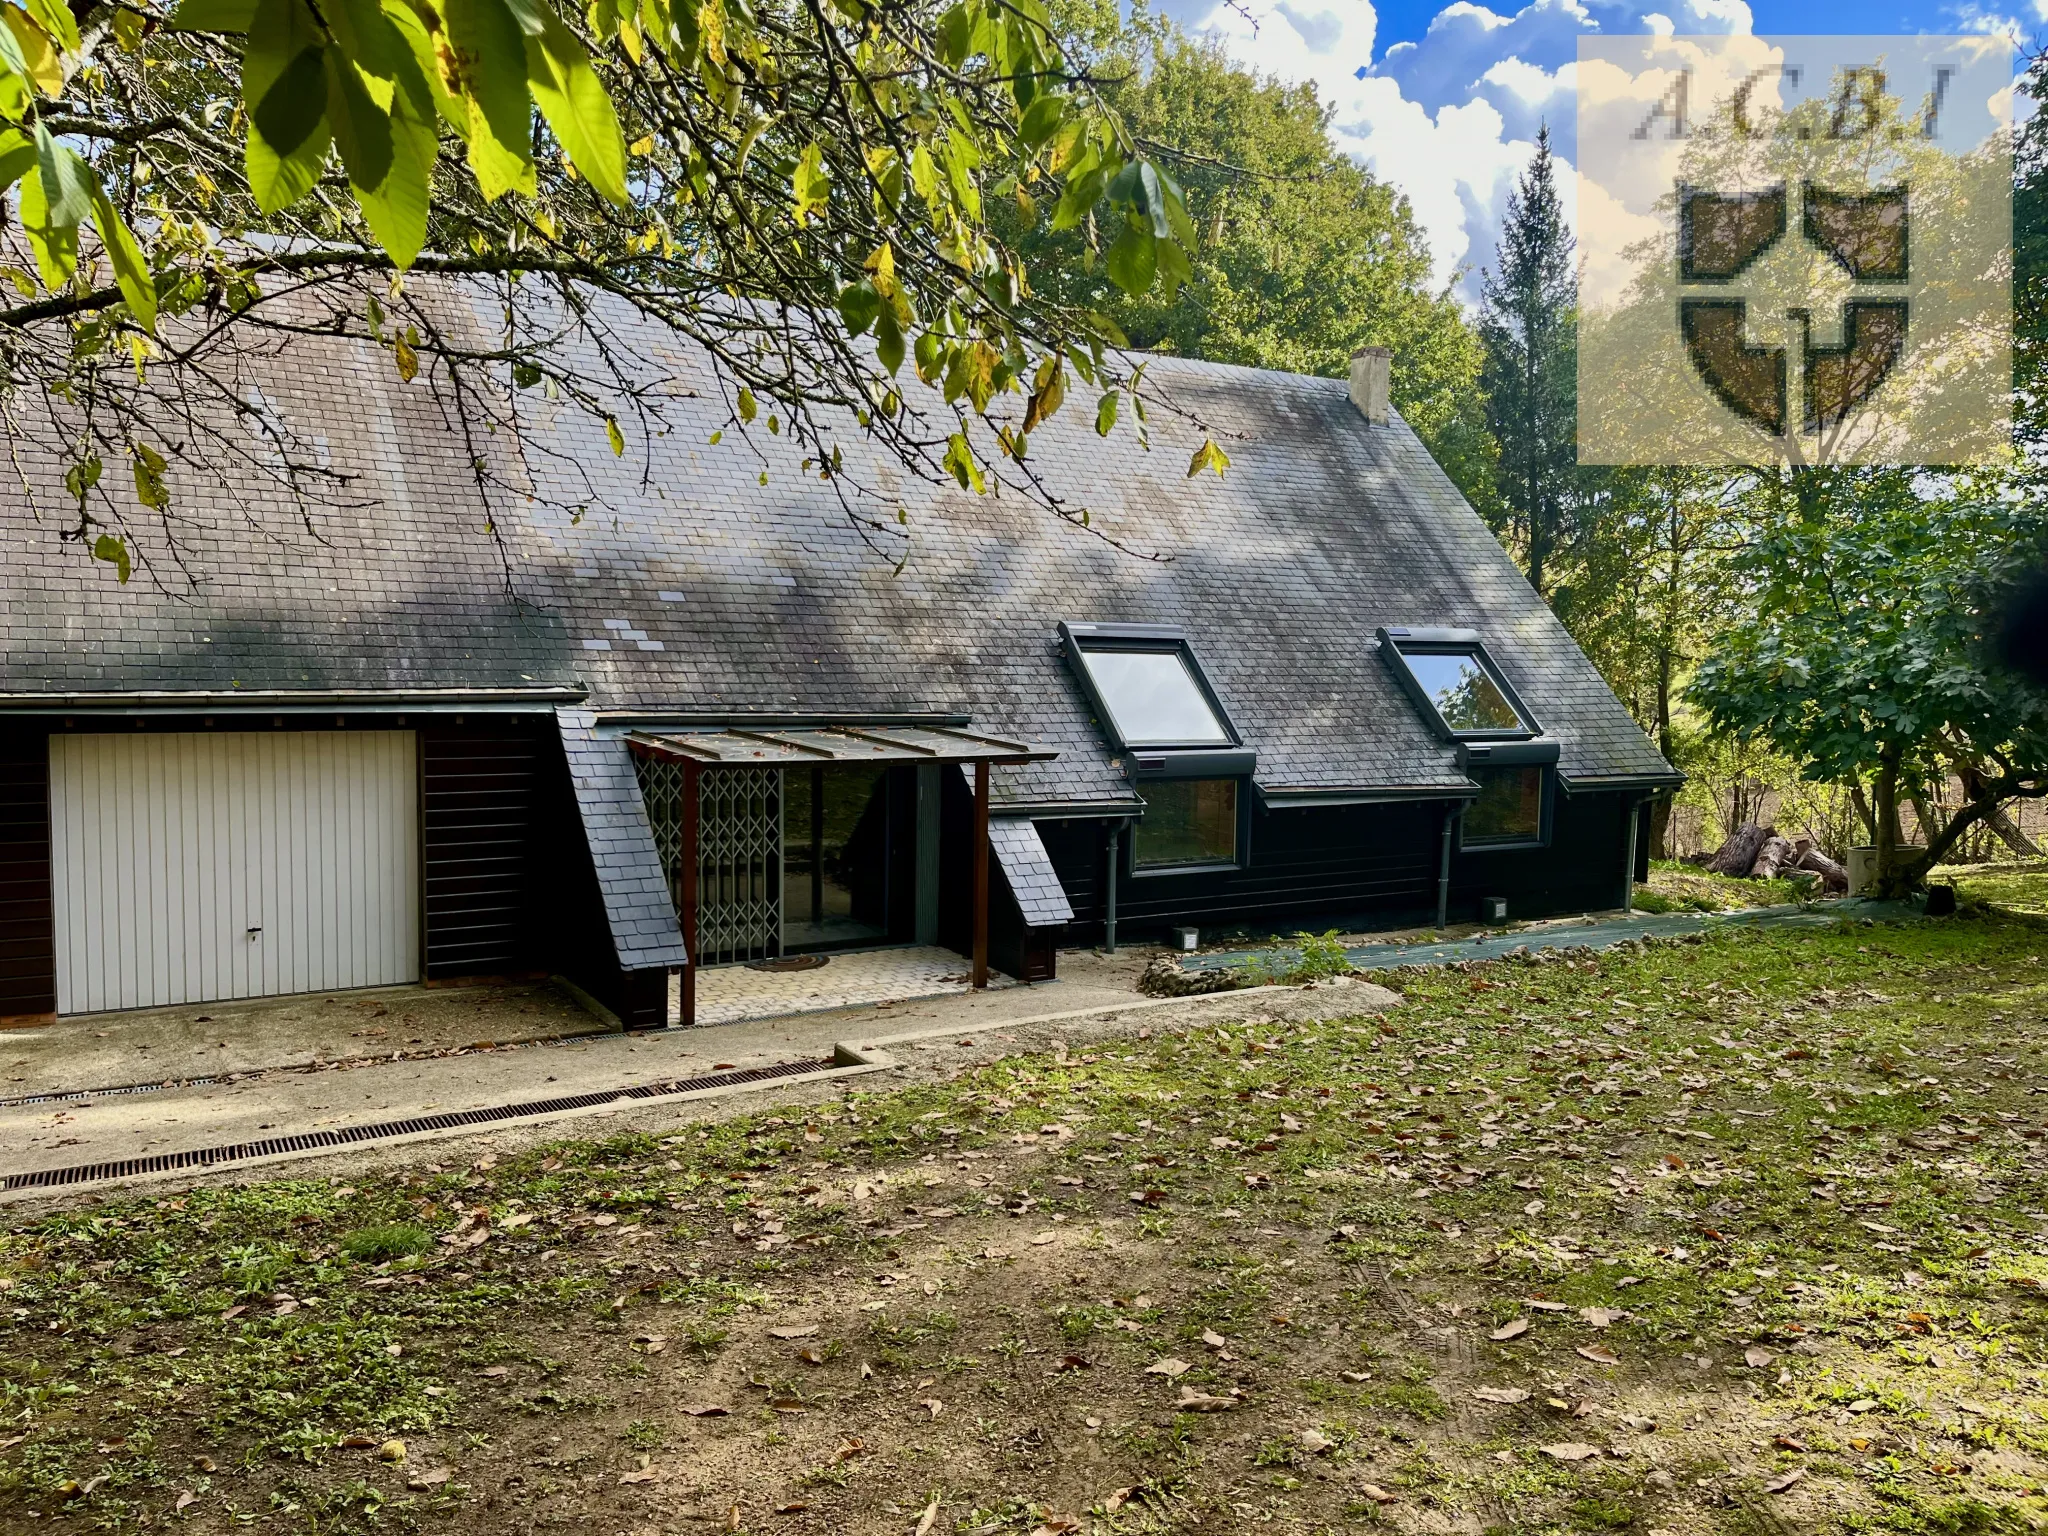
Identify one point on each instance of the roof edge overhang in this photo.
(1068, 810)
(1317, 797)
(286, 701)
(1602, 783)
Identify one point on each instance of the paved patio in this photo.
(727, 994)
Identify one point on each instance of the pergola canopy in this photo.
(734, 747)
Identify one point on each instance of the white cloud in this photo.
(1451, 119)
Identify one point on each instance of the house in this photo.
(684, 706)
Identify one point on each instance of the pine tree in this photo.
(1526, 325)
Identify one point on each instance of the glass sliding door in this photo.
(845, 842)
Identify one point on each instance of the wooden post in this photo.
(980, 875)
(688, 855)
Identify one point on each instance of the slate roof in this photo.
(689, 586)
(1028, 867)
(636, 899)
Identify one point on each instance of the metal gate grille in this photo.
(739, 855)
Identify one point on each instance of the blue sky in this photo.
(1444, 100)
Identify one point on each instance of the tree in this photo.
(1652, 588)
(1304, 255)
(1530, 371)
(802, 188)
(1865, 653)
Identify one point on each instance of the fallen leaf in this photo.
(933, 1406)
(496, 1372)
(1378, 1494)
(348, 1443)
(794, 1507)
(810, 1354)
(425, 1480)
(1758, 1356)
(1214, 1339)
(1599, 1354)
(1547, 1306)
(1042, 1239)
(1784, 1480)
(1639, 1423)
(1601, 1317)
(644, 1475)
(793, 1331)
(1118, 1500)
(790, 1405)
(707, 1410)
(1513, 1328)
(1315, 1442)
(1571, 1450)
(1356, 1376)
(233, 1312)
(1500, 1394)
(1071, 1363)
(1788, 1443)
(929, 1516)
(185, 1501)
(1167, 1366)
(1193, 1400)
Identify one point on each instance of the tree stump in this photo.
(1738, 854)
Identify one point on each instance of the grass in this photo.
(1821, 1147)
(1674, 886)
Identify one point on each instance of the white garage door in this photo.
(195, 867)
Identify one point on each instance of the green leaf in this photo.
(213, 16)
(859, 305)
(83, 476)
(131, 268)
(577, 106)
(1134, 259)
(150, 487)
(1155, 199)
(960, 461)
(362, 129)
(68, 182)
(55, 245)
(115, 552)
(17, 157)
(614, 436)
(748, 405)
(1208, 456)
(396, 211)
(426, 71)
(284, 87)
(1041, 119)
(1105, 414)
(889, 340)
(38, 53)
(525, 375)
(55, 18)
(956, 33)
(813, 188)
(924, 175)
(489, 72)
(1173, 269)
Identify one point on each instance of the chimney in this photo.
(1371, 373)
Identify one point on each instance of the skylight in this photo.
(1448, 673)
(1148, 687)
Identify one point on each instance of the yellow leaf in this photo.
(1208, 456)
(408, 360)
(614, 436)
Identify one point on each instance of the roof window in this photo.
(1456, 684)
(1147, 687)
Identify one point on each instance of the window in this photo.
(1455, 683)
(1186, 822)
(1509, 809)
(1153, 697)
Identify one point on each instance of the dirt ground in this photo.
(1746, 1235)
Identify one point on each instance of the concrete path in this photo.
(1584, 933)
(298, 1094)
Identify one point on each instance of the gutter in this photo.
(1585, 783)
(290, 700)
(699, 719)
(1315, 799)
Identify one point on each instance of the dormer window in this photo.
(1456, 685)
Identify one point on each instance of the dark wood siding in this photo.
(480, 789)
(28, 957)
(1581, 870)
(1357, 864)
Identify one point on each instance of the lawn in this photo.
(1742, 1235)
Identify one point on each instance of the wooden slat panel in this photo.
(480, 788)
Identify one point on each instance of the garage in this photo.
(200, 866)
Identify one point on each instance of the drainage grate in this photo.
(355, 1135)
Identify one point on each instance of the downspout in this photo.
(1114, 843)
(1634, 806)
(1443, 866)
